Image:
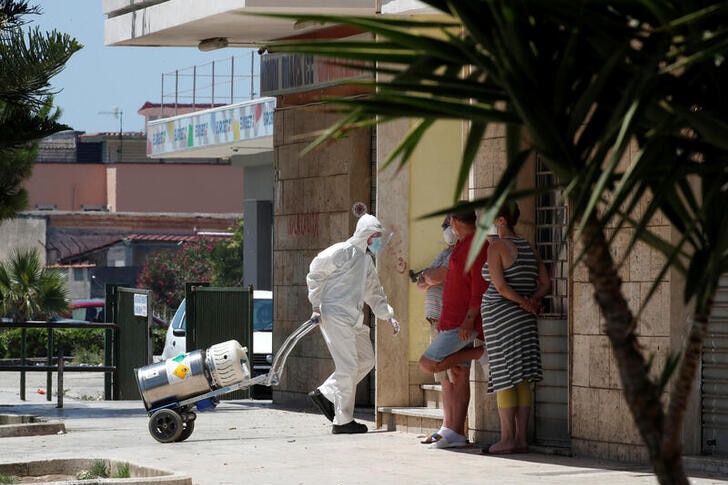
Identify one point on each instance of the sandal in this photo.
(433, 438)
(443, 443)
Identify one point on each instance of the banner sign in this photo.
(233, 123)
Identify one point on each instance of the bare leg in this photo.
(460, 398)
(508, 431)
(427, 365)
(452, 360)
(523, 413)
(447, 403)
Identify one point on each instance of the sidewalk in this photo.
(256, 442)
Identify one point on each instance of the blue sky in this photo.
(100, 78)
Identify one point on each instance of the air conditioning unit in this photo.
(90, 208)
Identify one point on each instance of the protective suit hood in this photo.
(365, 227)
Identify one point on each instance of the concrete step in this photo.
(12, 425)
(432, 394)
(416, 420)
(423, 420)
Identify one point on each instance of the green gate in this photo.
(215, 315)
(130, 309)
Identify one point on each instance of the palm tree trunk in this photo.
(671, 442)
(640, 391)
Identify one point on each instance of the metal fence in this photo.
(55, 363)
(216, 83)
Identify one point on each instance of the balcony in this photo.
(222, 23)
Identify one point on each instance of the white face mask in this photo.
(449, 236)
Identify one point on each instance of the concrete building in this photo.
(136, 187)
(89, 192)
(22, 233)
(93, 248)
(579, 406)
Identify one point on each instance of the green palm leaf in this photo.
(587, 81)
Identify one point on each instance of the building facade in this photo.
(579, 407)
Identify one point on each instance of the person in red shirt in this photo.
(460, 334)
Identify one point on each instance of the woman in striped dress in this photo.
(518, 280)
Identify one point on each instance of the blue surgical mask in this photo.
(375, 245)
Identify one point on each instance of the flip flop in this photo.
(433, 438)
(443, 443)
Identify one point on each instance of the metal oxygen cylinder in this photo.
(193, 374)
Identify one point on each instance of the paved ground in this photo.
(255, 442)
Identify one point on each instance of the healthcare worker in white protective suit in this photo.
(341, 279)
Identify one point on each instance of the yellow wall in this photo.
(432, 187)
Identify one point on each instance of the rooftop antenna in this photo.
(118, 114)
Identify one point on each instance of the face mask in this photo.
(450, 237)
(375, 245)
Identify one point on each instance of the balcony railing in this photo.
(217, 83)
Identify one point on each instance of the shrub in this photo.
(65, 341)
(85, 346)
(98, 470)
(158, 336)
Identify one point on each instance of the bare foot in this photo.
(501, 448)
(520, 448)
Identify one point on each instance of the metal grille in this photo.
(551, 395)
(216, 315)
(551, 223)
(714, 389)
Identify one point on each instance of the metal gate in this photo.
(714, 389)
(551, 395)
(130, 309)
(216, 315)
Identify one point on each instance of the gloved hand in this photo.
(395, 326)
(315, 316)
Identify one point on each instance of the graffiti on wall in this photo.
(303, 224)
(397, 251)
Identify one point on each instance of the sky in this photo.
(99, 80)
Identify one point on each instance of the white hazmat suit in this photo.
(341, 279)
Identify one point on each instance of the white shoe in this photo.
(444, 443)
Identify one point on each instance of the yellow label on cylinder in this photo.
(181, 371)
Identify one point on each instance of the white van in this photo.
(175, 341)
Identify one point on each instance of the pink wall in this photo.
(179, 188)
(68, 186)
(138, 187)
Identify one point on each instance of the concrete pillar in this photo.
(257, 249)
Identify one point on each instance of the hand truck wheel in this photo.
(166, 425)
(188, 426)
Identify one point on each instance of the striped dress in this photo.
(511, 334)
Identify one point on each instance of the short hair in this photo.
(510, 212)
(464, 215)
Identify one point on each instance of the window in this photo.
(79, 274)
(552, 215)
